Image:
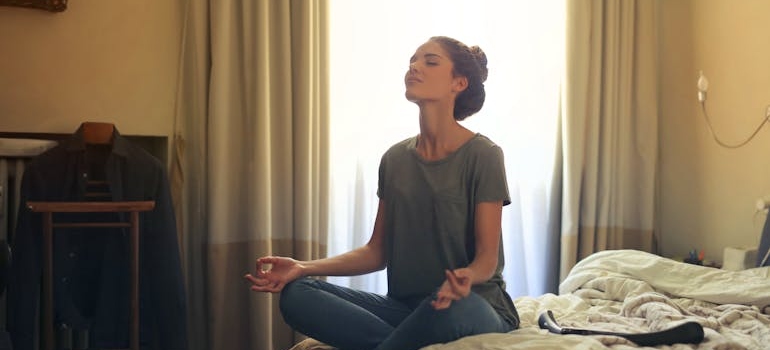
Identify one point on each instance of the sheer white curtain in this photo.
(370, 46)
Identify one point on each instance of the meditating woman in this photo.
(437, 229)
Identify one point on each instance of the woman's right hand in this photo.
(272, 279)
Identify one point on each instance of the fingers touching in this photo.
(266, 278)
(456, 286)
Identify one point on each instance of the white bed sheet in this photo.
(633, 292)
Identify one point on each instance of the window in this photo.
(371, 42)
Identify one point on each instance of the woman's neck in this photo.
(440, 133)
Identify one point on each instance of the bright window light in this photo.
(371, 42)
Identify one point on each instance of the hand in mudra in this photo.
(456, 286)
(273, 273)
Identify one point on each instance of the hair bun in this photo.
(481, 59)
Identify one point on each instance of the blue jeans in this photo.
(350, 319)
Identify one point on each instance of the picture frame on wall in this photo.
(47, 5)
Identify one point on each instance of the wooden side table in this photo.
(48, 209)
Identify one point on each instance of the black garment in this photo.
(91, 266)
(764, 245)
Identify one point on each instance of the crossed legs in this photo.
(350, 319)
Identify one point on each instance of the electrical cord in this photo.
(702, 88)
(714, 135)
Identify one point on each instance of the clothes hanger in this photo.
(97, 133)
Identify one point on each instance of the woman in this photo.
(437, 229)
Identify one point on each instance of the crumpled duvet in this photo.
(636, 292)
(631, 291)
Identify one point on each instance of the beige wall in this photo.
(112, 61)
(708, 192)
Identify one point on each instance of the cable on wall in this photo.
(702, 89)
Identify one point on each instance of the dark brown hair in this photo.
(469, 62)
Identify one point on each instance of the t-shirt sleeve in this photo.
(381, 177)
(491, 182)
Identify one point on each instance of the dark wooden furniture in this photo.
(48, 209)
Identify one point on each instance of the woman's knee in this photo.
(293, 294)
(470, 315)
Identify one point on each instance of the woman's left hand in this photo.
(456, 286)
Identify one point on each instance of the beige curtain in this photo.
(249, 159)
(609, 126)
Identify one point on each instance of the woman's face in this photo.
(430, 75)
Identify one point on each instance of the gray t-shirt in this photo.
(429, 217)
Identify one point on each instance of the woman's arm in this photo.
(362, 260)
(272, 273)
(488, 226)
(459, 281)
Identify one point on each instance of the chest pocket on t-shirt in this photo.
(451, 215)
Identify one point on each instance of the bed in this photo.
(630, 291)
